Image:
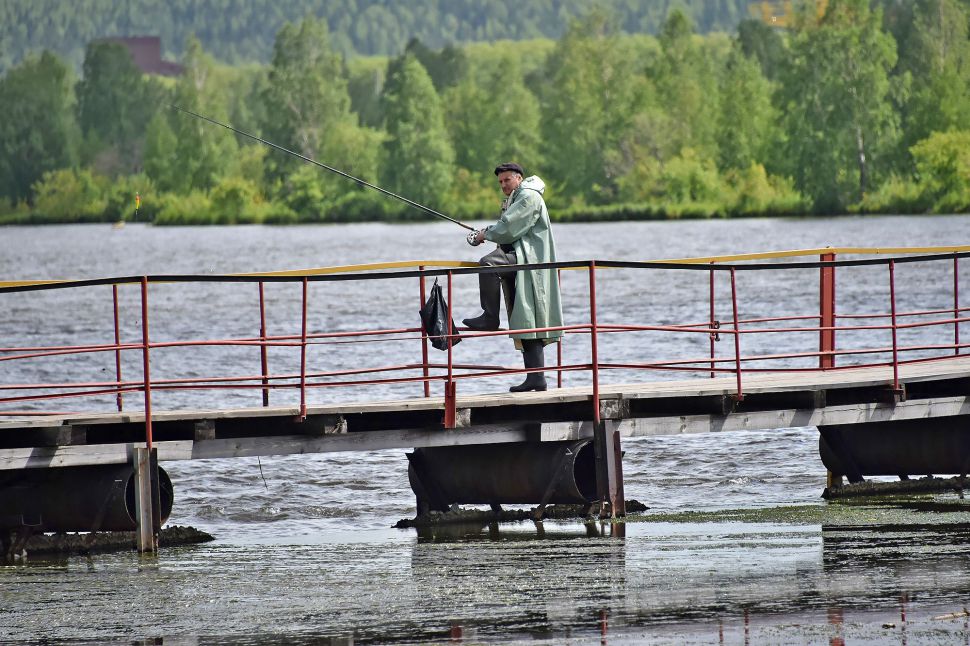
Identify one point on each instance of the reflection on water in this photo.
(545, 583)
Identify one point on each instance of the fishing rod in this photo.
(324, 166)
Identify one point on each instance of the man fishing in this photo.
(523, 236)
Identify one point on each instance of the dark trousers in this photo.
(491, 285)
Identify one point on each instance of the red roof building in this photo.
(146, 51)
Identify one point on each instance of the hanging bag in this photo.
(434, 319)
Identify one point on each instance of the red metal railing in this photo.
(34, 397)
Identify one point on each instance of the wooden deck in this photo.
(771, 400)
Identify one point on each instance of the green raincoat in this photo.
(525, 225)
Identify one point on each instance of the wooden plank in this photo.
(65, 456)
(369, 441)
(767, 420)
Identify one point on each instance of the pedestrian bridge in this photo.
(881, 369)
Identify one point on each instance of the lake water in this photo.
(737, 547)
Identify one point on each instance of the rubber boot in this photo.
(533, 356)
(490, 294)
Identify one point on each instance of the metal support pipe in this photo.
(146, 373)
(956, 304)
(594, 357)
(303, 354)
(559, 363)
(450, 386)
(559, 344)
(826, 298)
(263, 360)
(892, 305)
(119, 398)
(737, 332)
(424, 339)
(712, 335)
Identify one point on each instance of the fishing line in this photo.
(359, 181)
(265, 486)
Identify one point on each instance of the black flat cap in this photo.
(509, 166)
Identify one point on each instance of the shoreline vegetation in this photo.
(853, 107)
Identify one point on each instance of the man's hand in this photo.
(476, 238)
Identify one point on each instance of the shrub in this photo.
(943, 164)
(68, 195)
(184, 209)
(895, 195)
(231, 201)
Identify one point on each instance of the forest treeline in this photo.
(860, 107)
(243, 31)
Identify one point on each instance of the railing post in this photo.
(119, 397)
(559, 363)
(826, 317)
(737, 332)
(559, 343)
(713, 335)
(146, 459)
(450, 390)
(303, 354)
(146, 373)
(263, 360)
(956, 304)
(424, 338)
(593, 341)
(892, 306)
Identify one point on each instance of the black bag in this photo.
(434, 319)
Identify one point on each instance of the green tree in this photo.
(161, 154)
(446, 67)
(494, 117)
(943, 163)
(588, 104)
(747, 120)
(419, 158)
(307, 109)
(763, 43)
(937, 61)
(114, 105)
(202, 151)
(686, 80)
(37, 131)
(835, 95)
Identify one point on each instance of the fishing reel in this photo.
(472, 238)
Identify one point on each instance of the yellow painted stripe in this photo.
(30, 283)
(343, 269)
(794, 253)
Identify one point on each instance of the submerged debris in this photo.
(99, 542)
(954, 615)
(927, 484)
(457, 515)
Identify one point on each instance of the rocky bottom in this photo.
(920, 485)
(94, 542)
(458, 515)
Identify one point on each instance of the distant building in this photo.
(146, 51)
